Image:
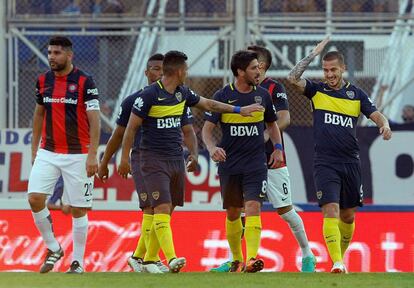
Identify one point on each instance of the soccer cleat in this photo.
(254, 265)
(75, 268)
(309, 264)
(50, 260)
(162, 267)
(338, 268)
(176, 264)
(237, 267)
(225, 267)
(150, 267)
(135, 263)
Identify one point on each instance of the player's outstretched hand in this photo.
(217, 154)
(124, 169)
(248, 110)
(91, 165)
(192, 163)
(276, 159)
(103, 172)
(321, 45)
(386, 132)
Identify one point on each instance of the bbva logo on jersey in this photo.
(244, 131)
(338, 120)
(172, 122)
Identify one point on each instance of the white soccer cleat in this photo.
(151, 267)
(177, 264)
(339, 268)
(135, 264)
(162, 267)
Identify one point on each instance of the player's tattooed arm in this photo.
(295, 74)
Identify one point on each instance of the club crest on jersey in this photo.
(72, 87)
(258, 99)
(156, 195)
(350, 94)
(143, 196)
(179, 96)
(319, 195)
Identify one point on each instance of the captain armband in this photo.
(92, 105)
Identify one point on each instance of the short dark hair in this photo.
(172, 60)
(61, 41)
(332, 55)
(263, 54)
(241, 60)
(155, 57)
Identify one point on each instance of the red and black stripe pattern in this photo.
(279, 98)
(65, 126)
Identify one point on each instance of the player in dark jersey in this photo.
(242, 160)
(66, 117)
(159, 109)
(278, 188)
(337, 105)
(153, 73)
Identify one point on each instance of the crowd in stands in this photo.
(199, 8)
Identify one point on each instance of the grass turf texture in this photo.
(208, 280)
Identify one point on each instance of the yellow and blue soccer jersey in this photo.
(242, 136)
(162, 119)
(125, 112)
(335, 116)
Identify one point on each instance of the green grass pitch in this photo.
(207, 280)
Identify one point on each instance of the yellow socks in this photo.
(234, 230)
(332, 237)
(153, 247)
(144, 238)
(163, 230)
(347, 231)
(253, 229)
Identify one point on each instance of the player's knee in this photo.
(330, 210)
(233, 213)
(37, 201)
(348, 217)
(164, 208)
(252, 208)
(78, 212)
(148, 210)
(284, 210)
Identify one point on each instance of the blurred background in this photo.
(113, 39)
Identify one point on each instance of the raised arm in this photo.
(382, 123)
(295, 75)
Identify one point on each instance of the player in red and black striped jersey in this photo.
(278, 189)
(66, 99)
(66, 118)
